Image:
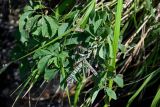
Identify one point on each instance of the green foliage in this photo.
(43, 63)
(111, 93)
(77, 38)
(119, 80)
(94, 95)
(87, 13)
(139, 90)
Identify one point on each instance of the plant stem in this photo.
(116, 40)
(117, 31)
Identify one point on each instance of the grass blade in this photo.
(117, 31)
(77, 93)
(156, 99)
(139, 90)
(87, 13)
(116, 38)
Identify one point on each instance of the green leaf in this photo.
(111, 93)
(53, 24)
(31, 22)
(149, 7)
(71, 41)
(122, 48)
(40, 53)
(63, 55)
(43, 63)
(55, 61)
(62, 28)
(54, 48)
(102, 52)
(71, 14)
(22, 23)
(148, 4)
(27, 8)
(38, 31)
(87, 13)
(111, 53)
(97, 25)
(45, 27)
(119, 80)
(94, 95)
(39, 6)
(50, 74)
(89, 31)
(66, 63)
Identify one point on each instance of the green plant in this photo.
(89, 36)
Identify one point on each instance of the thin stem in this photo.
(116, 40)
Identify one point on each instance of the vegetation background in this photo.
(80, 53)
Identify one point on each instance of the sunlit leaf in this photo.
(45, 28)
(31, 22)
(94, 95)
(22, 23)
(119, 80)
(53, 24)
(111, 93)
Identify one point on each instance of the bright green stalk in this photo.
(139, 90)
(77, 93)
(117, 31)
(116, 37)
